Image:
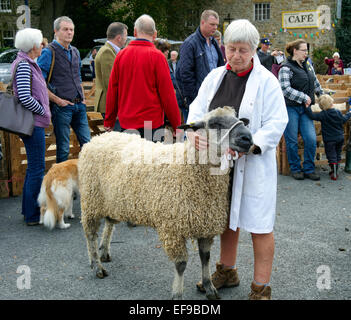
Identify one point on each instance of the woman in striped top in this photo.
(30, 87)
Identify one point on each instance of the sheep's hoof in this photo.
(213, 296)
(101, 273)
(105, 258)
(177, 296)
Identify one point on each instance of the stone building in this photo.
(283, 21)
(279, 20)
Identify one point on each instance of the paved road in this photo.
(312, 257)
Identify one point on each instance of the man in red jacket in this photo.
(140, 87)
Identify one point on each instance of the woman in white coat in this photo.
(255, 94)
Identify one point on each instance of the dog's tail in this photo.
(50, 217)
(42, 196)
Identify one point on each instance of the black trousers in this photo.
(333, 150)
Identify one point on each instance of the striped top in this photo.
(23, 76)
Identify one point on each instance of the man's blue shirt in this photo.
(44, 61)
(212, 56)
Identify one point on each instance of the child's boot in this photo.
(334, 173)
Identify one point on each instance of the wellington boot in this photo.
(348, 162)
(334, 171)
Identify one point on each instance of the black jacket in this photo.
(302, 79)
(193, 67)
(332, 122)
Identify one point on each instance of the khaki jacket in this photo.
(103, 65)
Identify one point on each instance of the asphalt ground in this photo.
(312, 254)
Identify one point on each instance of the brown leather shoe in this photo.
(260, 292)
(222, 278)
(30, 224)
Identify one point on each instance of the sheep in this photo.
(171, 190)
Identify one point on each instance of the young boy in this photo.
(336, 68)
(332, 121)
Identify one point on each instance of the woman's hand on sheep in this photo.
(108, 129)
(197, 140)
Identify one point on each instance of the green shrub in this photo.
(83, 52)
(318, 55)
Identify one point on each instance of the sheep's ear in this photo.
(193, 125)
(245, 120)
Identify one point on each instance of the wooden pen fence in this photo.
(341, 86)
(14, 164)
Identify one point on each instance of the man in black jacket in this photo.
(268, 58)
(199, 54)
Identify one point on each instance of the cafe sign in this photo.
(300, 19)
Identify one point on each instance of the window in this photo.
(5, 5)
(8, 38)
(262, 11)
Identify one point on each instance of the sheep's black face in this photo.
(240, 139)
(239, 136)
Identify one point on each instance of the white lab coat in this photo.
(253, 202)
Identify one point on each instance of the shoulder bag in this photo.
(15, 118)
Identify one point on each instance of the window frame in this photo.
(262, 11)
(7, 4)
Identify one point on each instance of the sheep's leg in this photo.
(178, 283)
(91, 233)
(106, 240)
(204, 251)
(175, 248)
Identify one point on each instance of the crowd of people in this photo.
(137, 88)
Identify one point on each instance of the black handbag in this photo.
(15, 118)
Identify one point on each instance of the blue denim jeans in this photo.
(35, 149)
(300, 122)
(62, 119)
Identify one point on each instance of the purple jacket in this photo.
(39, 89)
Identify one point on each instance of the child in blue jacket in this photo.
(332, 122)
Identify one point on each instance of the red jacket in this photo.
(140, 88)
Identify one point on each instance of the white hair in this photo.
(145, 24)
(242, 30)
(336, 54)
(28, 38)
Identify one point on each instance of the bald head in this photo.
(145, 26)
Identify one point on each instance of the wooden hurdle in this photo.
(13, 166)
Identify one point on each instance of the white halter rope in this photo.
(230, 129)
(227, 159)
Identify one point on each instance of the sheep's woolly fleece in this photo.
(181, 200)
